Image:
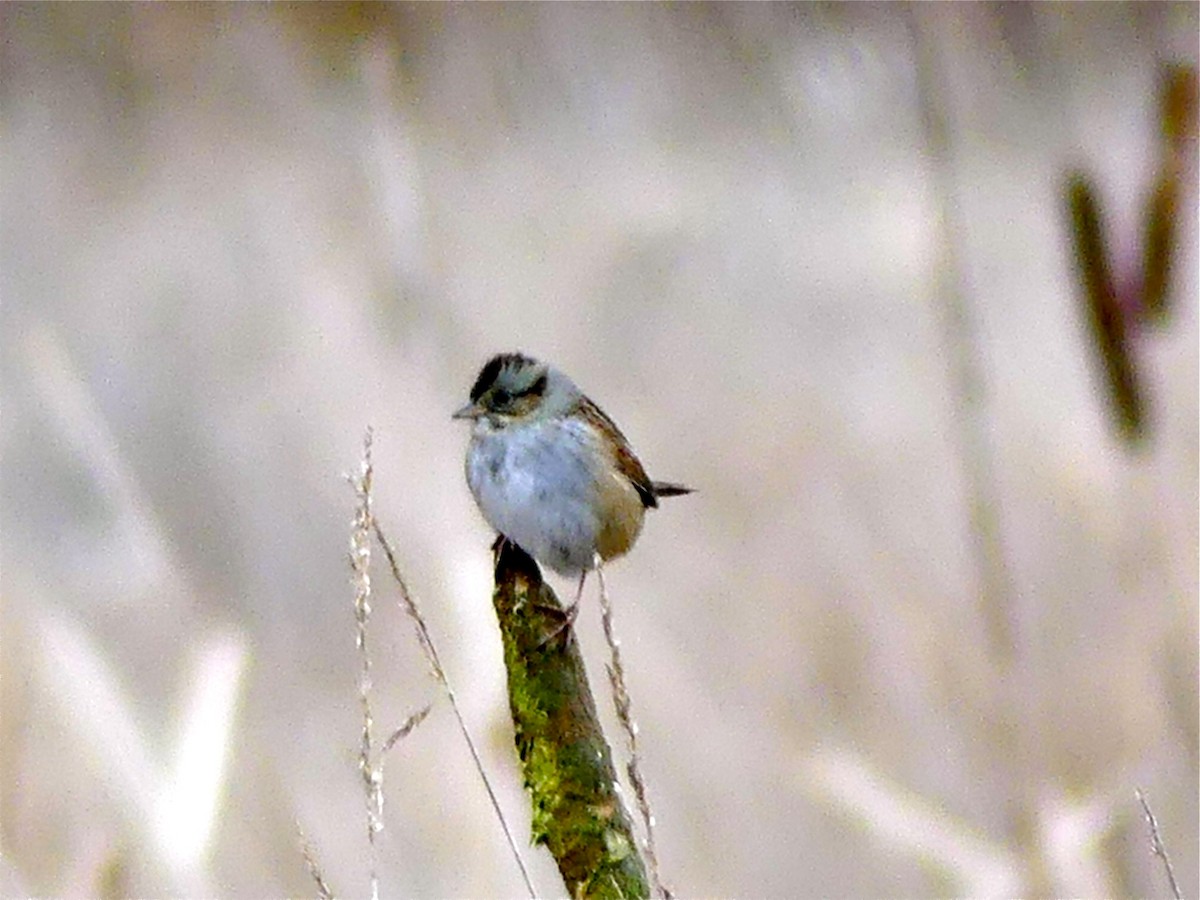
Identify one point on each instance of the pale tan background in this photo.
(233, 236)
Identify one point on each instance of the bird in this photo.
(550, 471)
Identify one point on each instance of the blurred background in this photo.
(927, 625)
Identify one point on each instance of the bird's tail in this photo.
(667, 489)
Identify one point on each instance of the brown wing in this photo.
(627, 463)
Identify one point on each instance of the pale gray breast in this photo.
(537, 484)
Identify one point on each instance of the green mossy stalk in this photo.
(566, 760)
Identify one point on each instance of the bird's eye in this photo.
(501, 397)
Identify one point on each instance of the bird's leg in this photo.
(573, 610)
(498, 546)
(568, 615)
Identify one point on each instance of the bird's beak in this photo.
(470, 411)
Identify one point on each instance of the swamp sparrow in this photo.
(550, 471)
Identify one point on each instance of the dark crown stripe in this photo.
(491, 371)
